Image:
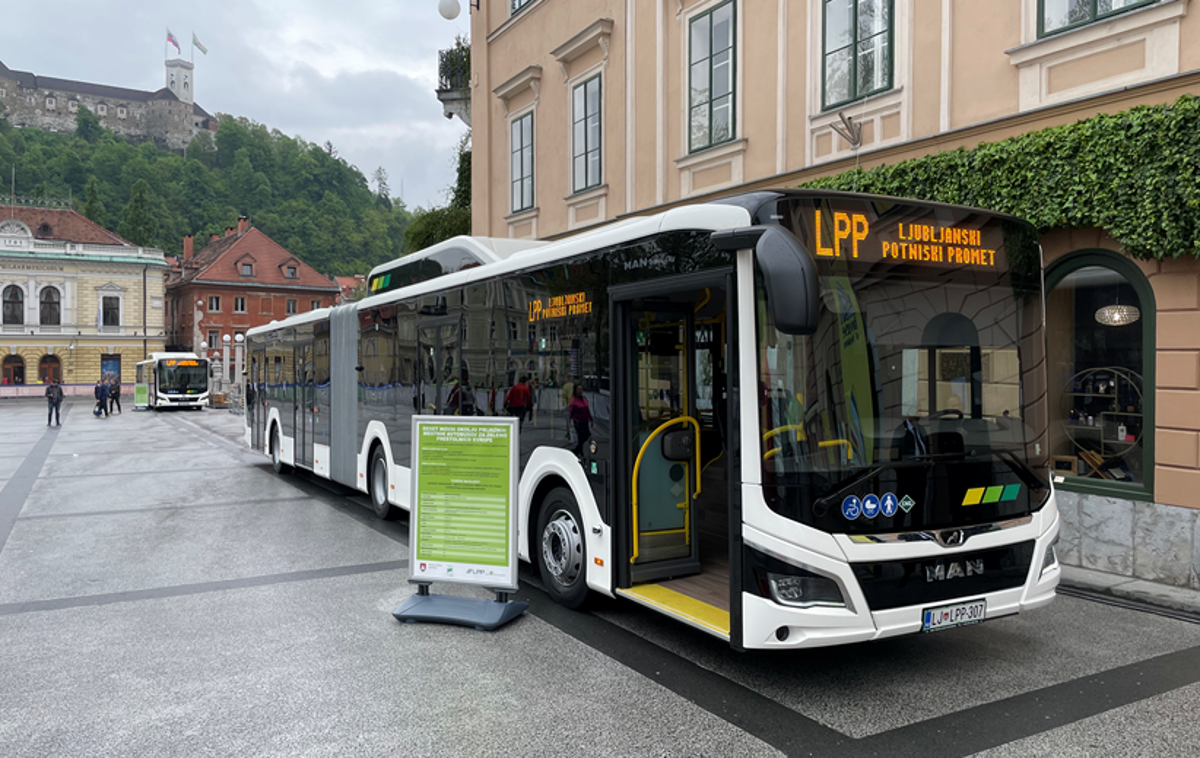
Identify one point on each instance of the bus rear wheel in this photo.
(378, 484)
(277, 452)
(561, 550)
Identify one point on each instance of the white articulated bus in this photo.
(815, 418)
(172, 380)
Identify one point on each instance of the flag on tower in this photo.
(196, 42)
(173, 41)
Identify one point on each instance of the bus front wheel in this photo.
(378, 484)
(560, 549)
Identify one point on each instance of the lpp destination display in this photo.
(463, 526)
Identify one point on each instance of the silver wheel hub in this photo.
(562, 548)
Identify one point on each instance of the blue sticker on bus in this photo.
(851, 507)
(870, 506)
(889, 504)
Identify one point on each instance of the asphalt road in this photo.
(162, 592)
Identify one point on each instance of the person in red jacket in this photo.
(518, 400)
(581, 415)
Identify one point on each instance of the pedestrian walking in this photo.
(581, 415)
(101, 399)
(518, 400)
(54, 398)
(114, 395)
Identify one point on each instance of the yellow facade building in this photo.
(79, 302)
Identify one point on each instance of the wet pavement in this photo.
(163, 592)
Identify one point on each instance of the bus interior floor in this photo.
(711, 585)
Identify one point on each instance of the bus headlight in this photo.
(1050, 561)
(785, 583)
(805, 590)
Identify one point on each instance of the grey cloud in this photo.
(375, 102)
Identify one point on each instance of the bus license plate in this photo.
(950, 616)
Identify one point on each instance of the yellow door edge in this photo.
(697, 613)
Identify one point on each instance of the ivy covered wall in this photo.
(1135, 174)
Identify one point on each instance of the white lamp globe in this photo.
(226, 339)
(203, 345)
(449, 9)
(238, 338)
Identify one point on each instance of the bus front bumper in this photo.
(770, 625)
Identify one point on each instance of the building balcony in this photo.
(454, 82)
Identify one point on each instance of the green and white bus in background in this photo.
(816, 418)
(172, 380)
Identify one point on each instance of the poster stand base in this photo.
(484, 615)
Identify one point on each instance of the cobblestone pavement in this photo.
(162, 592)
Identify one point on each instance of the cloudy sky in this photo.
(359, 73)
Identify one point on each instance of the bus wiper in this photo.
(1022, 469)
(924, 461)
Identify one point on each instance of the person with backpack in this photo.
(54, 398)
(101, 399)
(114, 395)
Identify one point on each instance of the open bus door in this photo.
(678, 519)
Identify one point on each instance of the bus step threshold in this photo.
(697, 613)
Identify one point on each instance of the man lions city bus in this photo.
(172, 380)
(816, 418)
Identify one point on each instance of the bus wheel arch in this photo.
(379, 481)
(558, 544)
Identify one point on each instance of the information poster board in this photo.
(464, 501)
(141, 395)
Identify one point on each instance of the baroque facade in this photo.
(169, 116)
(588, 111)
(79, 302)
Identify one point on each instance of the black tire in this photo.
(560, 547)
(277, 453)
(378, 484)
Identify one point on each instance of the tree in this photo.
(436, 225)
(383, 192)
(87, 124)
(329, 148)
(92, 207)
(202, 149)
(460, 196)
(138, 224)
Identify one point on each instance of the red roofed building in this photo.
(352, 287)
(235, 282)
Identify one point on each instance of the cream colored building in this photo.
(584, 111)
(78, 301)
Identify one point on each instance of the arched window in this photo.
(14, 370)
(1100, 317)
(49, 369)
(51, 307)
(14, 305)
(44, 230)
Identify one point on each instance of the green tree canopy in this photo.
(138, 222)
(87, 124)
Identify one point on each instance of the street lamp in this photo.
(196, 323)
(225, 357)
(450, 8)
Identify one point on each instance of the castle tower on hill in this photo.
(169, 116)
(179, 78)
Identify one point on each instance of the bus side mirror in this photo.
(789, 274)
(359, 367)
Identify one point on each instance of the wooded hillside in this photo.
(312, 202)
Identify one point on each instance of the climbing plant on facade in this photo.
(1135, 174)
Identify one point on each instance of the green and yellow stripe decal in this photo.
(998, 494)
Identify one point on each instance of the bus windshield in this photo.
(185, 376)
(916, 403)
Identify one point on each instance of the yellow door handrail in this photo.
(637, 463)
(835, 443)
